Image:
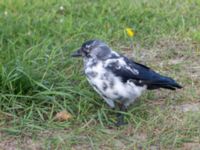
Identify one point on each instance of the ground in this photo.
(39, 79)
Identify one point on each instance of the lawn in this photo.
(39, 79)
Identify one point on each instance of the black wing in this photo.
(140, 74)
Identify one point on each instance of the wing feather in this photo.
(129, 70)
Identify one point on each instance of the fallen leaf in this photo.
(63, 116)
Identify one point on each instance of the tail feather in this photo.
(164, 82)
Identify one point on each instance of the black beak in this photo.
(77, 53)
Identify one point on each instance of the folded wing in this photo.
(141, 75)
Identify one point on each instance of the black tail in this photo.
(164, 82)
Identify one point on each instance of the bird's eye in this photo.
(86, 49)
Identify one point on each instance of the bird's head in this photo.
(93, 49)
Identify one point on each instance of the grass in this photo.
(38, 78)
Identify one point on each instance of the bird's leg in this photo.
(120, 116)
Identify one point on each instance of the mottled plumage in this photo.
(116, 78)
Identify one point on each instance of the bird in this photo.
(118, 79)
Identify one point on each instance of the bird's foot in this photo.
(120, 120)
(120, 123)
(120, 116)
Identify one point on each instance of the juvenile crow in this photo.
(117, 79)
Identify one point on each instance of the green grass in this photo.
(38, 78)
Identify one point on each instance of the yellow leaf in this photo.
(63, 116)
